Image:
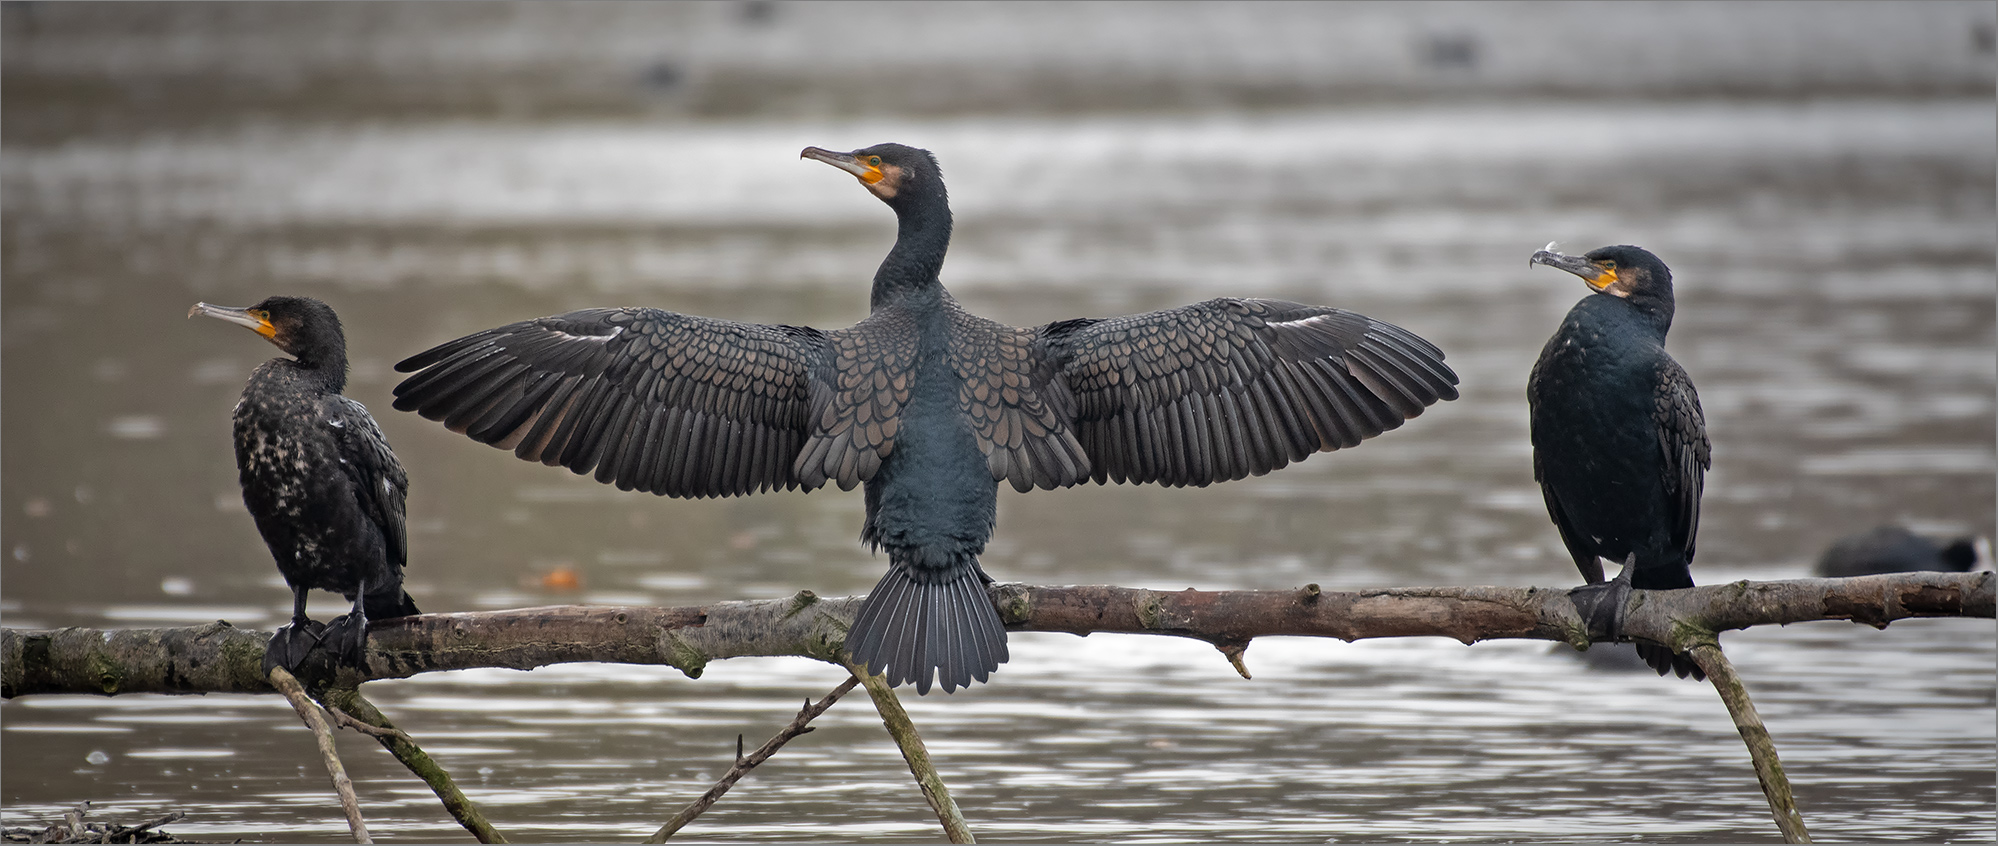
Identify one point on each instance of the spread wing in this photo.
(1682, 436)
(651, 400)
(1236, 387)
(380, 486)
(1017, 405)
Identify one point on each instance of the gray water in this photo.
(1834, 259)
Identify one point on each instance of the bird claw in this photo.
(347, 638)
(1602, 606)
(291, 644)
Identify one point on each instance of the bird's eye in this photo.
(874, 160)
(1609, 264)
(260, 314)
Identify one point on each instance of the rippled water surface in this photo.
(1835, 272)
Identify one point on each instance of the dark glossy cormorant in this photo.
(928, 406)
(1619, 443)
(1892, 549)
(319, 478)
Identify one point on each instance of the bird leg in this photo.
(347, 635)
(1602, 605)
(291, 643)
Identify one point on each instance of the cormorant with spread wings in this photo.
(929, 407)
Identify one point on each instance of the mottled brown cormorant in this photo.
(930, 407)
(1893, 549)
(319, 478)
(1619, 443)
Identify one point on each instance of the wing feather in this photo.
(1682, 436)
(636, 397)
(1231, 388)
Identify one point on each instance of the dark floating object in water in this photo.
(318, 477)
(1619, 441)
(1893, 549)
(930, 407)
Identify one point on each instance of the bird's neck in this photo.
(1656, 311)
(921, 238)
(1644, 312)
(327, 372)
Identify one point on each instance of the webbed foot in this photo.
(291, 643)
(1601, 606)
(1602, 609)
(347, 639)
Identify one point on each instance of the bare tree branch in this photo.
(1761, 749)
(349, 701)
(744, 763)
(349, 803)
(219, 658)
(903, 730)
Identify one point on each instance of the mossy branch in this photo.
(350, 702)
(350, 804)
(219, 658)
(903, 730)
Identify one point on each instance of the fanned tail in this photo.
(912, 629)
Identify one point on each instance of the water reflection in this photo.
(1837, 292)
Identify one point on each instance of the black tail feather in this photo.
(913, 632)
(1664, 660)
(382, 606)
(1673, 575)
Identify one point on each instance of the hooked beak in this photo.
(867, 173)
(238, 316)
(1596, 275)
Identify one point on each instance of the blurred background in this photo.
(1819, 176)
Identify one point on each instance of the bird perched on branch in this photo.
(929, 407)
(318, 477)
(1619, 443)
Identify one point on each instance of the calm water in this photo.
(1835, 266)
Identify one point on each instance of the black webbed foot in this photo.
(291, 643)
(1602, 609)
(347, 639)
(1601, 605)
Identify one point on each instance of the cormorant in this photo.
(929, 407)
(325, 490)
(1892, 549)
(1619, 443)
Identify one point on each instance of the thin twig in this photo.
(348, 721)
(1761, 749)
(744, 764)
(293, 691)
(903, 730)
(412, 756)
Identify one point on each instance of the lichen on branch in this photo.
(220, 658)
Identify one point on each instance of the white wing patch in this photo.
(571, 336)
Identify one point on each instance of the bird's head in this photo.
(304, 327)
(1620, 271)
(893, 172)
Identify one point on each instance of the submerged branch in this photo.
(349, 702)
(219, 658)
(1761, 749)
(300, 702)
(744, 763)
(903, 730)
